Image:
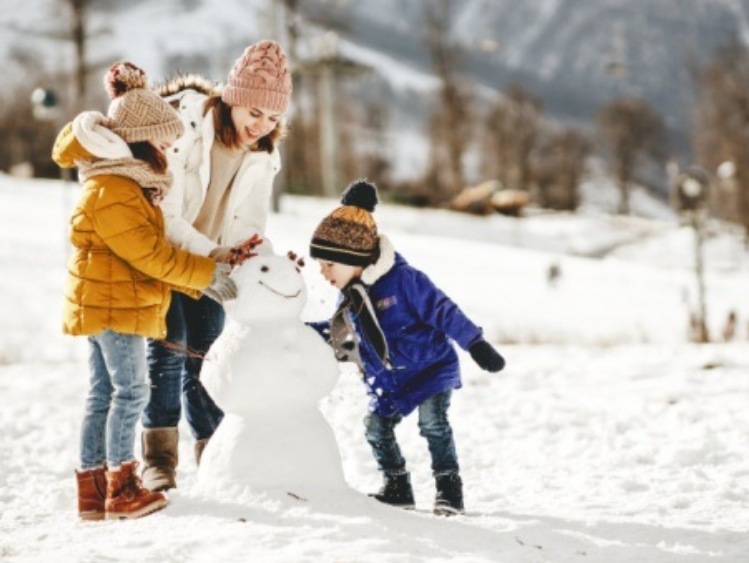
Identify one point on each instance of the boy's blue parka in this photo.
(418, 321)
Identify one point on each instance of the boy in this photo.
(396, 325)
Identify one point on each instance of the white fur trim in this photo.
(97, 139)
(384, 263)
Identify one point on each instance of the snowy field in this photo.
(607, 439)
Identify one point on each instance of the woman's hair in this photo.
(227, 133)
(143, 150)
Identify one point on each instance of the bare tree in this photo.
(721, 137)
(631, 131)
(301, 172)
(450, 124)
(25, 139)
(559, 165)
(79, 13)
(369, 127)
(302, 154)
(511, 133)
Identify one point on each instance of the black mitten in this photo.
(486, 356)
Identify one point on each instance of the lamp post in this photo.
(44, 104)
(692, 187)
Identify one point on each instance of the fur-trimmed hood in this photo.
(181, 82)
(383, 265)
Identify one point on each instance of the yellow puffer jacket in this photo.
(122, 269)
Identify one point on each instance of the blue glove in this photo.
(486, 356)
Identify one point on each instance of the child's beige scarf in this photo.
(153, 184)
(110, 155)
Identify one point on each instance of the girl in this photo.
(224, 166)
(119, 279)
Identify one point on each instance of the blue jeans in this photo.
(433, 425)
(115, 399)
(174, 367)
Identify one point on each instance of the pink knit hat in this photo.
(136, 113)
(260, 78)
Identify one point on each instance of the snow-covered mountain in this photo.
(572, 54)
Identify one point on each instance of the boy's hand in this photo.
(486, 356)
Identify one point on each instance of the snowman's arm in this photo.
(322, 328)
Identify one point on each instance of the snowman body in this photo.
(268, 371)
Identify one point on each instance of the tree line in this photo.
(508, 141)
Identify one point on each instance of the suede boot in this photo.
(396, 490)
(199, 447)
(92, 487)
(126, 496)
(160, 457)
(449, 499)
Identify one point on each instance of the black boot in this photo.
(396, 491)
(449, 499)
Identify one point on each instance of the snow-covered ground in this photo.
(608, 438)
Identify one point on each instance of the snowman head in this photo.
(269, 287)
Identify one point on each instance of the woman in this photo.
(120, 278)
(224, 166)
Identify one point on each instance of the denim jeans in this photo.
(174, 367)
(116, 397)
(433, 425)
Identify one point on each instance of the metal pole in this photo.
(700, 273)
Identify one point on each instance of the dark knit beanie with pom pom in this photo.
(349, 234)
(136, 113)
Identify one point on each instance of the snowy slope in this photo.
(576, 452)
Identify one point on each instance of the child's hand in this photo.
(486, 356)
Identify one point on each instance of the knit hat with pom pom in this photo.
(260, 78)
(136, 113)
(349, 234)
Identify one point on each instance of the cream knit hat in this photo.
(136, 113)
(260, 78)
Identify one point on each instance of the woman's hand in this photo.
(236, 255)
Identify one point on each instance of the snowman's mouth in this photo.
(269, 288)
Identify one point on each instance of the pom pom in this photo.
(122, 77)
(361, 194)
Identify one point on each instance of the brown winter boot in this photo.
(126, 497)
(92, 486)
(199, 447)
(160, 456)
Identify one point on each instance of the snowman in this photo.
(268, 371)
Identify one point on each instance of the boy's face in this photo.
(338, 274)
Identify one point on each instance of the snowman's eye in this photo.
(264, 269)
